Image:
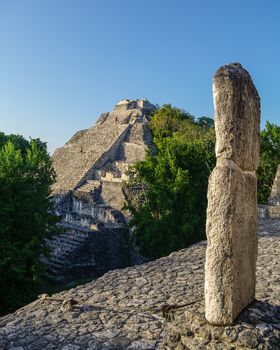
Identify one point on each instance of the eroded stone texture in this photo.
(237, 116)
(274, 198)
(158, 305)
(272, 209)
(232, 214)
(100, 152)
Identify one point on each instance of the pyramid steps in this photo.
(62, 248)
(90, 186)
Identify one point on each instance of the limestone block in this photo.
(237, 116)
(274, 211)
(232, 227)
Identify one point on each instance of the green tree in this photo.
(18, 141)
(26, 175)
(167, 120)
(269, 159)
(170, 211)
(205, 122)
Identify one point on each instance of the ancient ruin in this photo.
(157, 305)
(274, 198)
(161, 304)
(232, 217)
(88, 193)
(272, 210)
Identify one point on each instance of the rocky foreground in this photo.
(158, 305)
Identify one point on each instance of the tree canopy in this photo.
(269, 159)
(170, 212)
(167, 192)
(26, 175)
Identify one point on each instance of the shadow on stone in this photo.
(258, 326)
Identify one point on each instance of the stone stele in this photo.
(232, 217)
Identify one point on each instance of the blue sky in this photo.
(63, 62)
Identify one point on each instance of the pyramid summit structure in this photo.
(117, 139)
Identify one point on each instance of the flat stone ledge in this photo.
(158, 305)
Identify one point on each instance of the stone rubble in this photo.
(157, 305)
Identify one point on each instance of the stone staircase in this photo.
(90, 186)
(63, 248)
(73, 161)
(81, 252)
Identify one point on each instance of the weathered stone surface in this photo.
(86, 154)
(80, 253)
(272, 209)
(274, 198)
(232, 214)
(89, 194)
(158, 305)
(237, 116)
(232, 243)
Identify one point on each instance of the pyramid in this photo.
(90, 172)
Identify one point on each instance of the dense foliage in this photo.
(167, 191)
(269, 159)
(26, 175)
(170, 211)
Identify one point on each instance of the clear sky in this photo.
(63, 62)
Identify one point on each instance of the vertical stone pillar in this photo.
(274, 198)
(232, 215)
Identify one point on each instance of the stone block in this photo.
(232, 213)
(237, 116)
(274, 211)
(232, 228)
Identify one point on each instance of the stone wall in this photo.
(112, 193)
(83, 253)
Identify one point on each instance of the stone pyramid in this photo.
(91, 168)
(117, 139)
